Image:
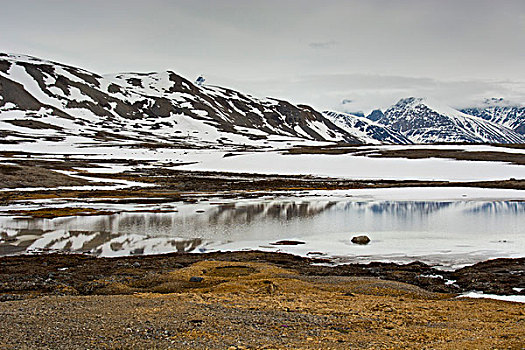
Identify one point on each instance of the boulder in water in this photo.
(360, 240)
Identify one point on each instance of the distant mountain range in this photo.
(425, 121)
(499, 111)
(44, 101)
(420, 120)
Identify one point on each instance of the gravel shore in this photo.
(254, 305)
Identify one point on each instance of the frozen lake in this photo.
(445, 232)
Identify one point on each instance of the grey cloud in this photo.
(367, 92)
(309, 51)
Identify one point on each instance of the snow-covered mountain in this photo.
(44, 100)
(425, 121)
(365, 129)
(499, 111)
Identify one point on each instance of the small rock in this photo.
(10, 297)
(136, 264)
(287, 242)
(360, 240)
(196, 279)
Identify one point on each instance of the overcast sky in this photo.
(315, 52)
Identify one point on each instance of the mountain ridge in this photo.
(151, 106)
(49, 101)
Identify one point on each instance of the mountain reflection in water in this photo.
(499, 208)
(233, 214)
(255, 224)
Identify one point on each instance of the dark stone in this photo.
(360, 240)
(286, 242)
(196, 279)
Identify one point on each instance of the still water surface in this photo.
(448, 233)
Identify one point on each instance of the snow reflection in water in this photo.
(450, 233)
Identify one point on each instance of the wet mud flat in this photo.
(251, 300)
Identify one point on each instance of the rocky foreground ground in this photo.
(248, 300)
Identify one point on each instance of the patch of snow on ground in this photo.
(512, 298)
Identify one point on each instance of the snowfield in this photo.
(356, 167)
(274, 160)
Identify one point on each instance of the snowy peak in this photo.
(424, 105)
(365, 129)
(423, 120)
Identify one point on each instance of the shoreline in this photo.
(69, 274)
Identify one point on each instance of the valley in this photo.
(144, 188)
